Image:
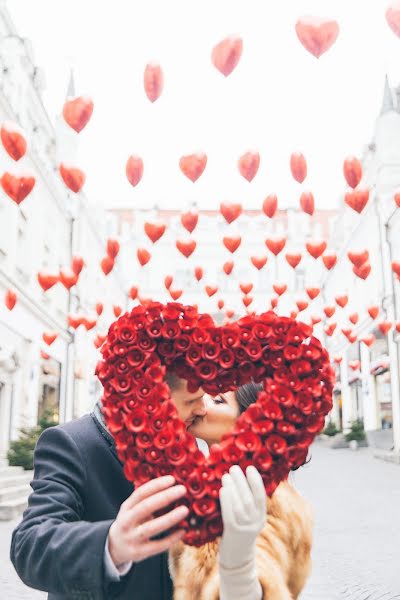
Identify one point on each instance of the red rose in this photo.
(153, 455)
(196, 486)
(206, 370)
(190, 312)
(136, 421)
(281, 394)
(210, 351)
(226, 359)
(163, 469)
(285, 428)
(292, 352)
(171, 330)
(245, 371)
(123, 439)
(154, 328)
(253, 413)
(144, 439)
(166, 349)
(240, 354)
(182, 343)
(263, 459)
(231, 452)
(297, 457)
(204, 507)
(277, 342)
(122, 384)
(172, 311)
(295, 335)
(254, 350)
(272, 410)
(301, 367)
(200, 336)
(143, 473)
(164, 439)
(176, 454)
(245, 335)
(157, 422)
(193, 355)
(136, 358)
(187, 324)
(248, 442)
(230, 338)
(310, 352)
(120, 349)
(315, 424)
(130, 403)
(281, 326)
(276, 444)
(122, 366)
(127, 334)
(304, 403)
(304, 440)
(282, 374)
(216, 335)
(261, 331)
(155, 373)
(263, 427)
(275, 359)
(294, 416)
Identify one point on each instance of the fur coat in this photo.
(283, 554)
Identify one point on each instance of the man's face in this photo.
(189, 405)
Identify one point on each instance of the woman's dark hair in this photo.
(246, 395)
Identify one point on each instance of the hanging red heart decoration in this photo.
(363, 271)
(329, 311)
(230, 212)
(153, 81)
(393, 18)
(279, 288)
(270, 205)
(307, 203)
(226, 54)
(373, 311)
(329, 261)
(274, 433)
(49, 337)
(342, 300)
(211, 290)
(77, 112)
(228, 267)
(47, 280)
(168, 281)
(193, 165)
(313, 292)
(68, 278)
(368, 339)
(198, 273)
(189, 220)
(276, 244)
(259, 261)
(77, 264)
(143, 256)
(293, 259)
(99, 308)
(232, 243)
(117, 310)
(248, 165)
(133, 292)
(10, 299)
(357, 199)
(246, 287)
(175, 294)
(352, 171)
(317, 34)
(358, 258)
(107, 264)
(17, 187)
(112, 247)
(134, 169)
(73, 177)
(316, 249)
(13, 140)
(186, 247)
(298, 167)
(154, 231)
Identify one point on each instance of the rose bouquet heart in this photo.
(273, 434)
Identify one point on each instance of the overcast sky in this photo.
(278, 100)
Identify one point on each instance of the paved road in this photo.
(357, 539)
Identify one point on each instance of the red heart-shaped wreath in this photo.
(274, 433)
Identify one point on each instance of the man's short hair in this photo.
(174, 382)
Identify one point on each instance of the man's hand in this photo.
(130, 533)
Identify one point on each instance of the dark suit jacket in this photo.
(78, 488)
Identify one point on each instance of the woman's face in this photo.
(222, 412)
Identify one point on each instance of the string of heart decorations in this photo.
(317, 36)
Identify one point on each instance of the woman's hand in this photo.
(243, 507)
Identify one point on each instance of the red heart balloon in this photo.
(329, 261)
(357, 199)
(338, 359)
(353, 318)
(259, 261)
(143, 256)
(363, 271)
(302, 305)
(10, 299)
(74, 320)
(368, 339)
(274, 433)
(226, 54)
(342, 300)
(99, 308)
(329, 311)
(154, 231)
(317, 34)
(316, 249)
(68, 278)
(175, 294)
(373, 311)
(385, 327)
(13, 140)
(211, 290)
(358, 258)
(89, 322)
(298, 167)
(396, 267)
(133, 292)
(352, 171)
(246, 287)
(73, 177)
(220, 304)
(134, 169)
(47, 280)
(228, 267)
(274, 301)
(230, 211)
(279, 288)
(189, 220)
(99, 340)
(107, 264)
(193, 165)
(276, 244)
(307, 203)
(49, 337)
(232, 243)
(313, 292)
(270, 205)
(229, 313)
(186, 247)
(168, 281)
(17, 187)
(247, 300)
(77, 112)
(354, 365)
(77, 264)
(248, 165)
(113, 247)
(117, 310)
(153, 81)
(198, 273)
(293, 259)
(393, 18)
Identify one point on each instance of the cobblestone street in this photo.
(356, 551)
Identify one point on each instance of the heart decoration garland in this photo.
(273, 434)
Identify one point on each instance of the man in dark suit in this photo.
(86, 533)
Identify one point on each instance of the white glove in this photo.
(243, 508)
